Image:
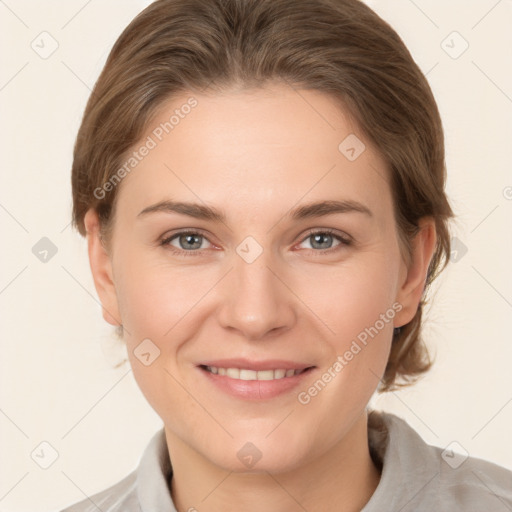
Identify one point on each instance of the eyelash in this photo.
(345, 241)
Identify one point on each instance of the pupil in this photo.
(320, 237)
(189, 239)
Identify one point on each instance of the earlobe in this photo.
(101, 268)
(411, 290)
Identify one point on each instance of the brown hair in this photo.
(340, 47)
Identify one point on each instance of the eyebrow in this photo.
(316, 209)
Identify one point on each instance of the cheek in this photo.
(154, 303)
(160, 303)
(354, 297)
(154, 298)
(358, 305)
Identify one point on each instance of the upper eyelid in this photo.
(186, 232)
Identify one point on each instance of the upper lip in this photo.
(268, 364)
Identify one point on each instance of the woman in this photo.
(261, 184)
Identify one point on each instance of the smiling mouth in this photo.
(245, 374)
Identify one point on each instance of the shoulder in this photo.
(121, 496)
(145, 488)
(471, 483)
(417, 476)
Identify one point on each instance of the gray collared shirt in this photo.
(415, 477)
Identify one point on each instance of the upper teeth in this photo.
(243, 374)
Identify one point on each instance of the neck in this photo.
(343, 479)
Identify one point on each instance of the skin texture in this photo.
(256, 155)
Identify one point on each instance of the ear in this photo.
(101, 268)
(415, 275)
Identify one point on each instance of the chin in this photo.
(258, 456)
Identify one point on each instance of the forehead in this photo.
(259, 147)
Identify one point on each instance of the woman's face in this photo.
(268, 280)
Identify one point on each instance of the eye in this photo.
(323, 240)
(188, 242)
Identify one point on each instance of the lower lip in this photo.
(255, 389)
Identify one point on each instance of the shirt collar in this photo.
(407, 462)
(153, 475)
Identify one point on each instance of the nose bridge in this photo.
(255, 300)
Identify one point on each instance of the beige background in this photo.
(57, 381)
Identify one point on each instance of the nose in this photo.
(256, 300)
